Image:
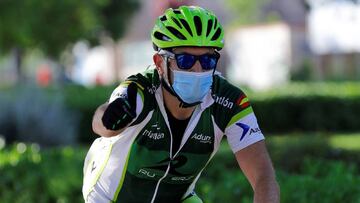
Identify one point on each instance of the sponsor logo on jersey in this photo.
(119, 95)
(243, 101)
(156, 126)
(254, 130)
(152, 89)
(147, 173)
(93, 166)
(245, 128)
(181, 179)
(150, 173)
(153, 135)
(223, 101)
(201, 138)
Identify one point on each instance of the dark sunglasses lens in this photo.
(185, 61)
(208, 62)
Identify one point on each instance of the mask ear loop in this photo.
(213, 80)
(166, 74)
(213, 76)
(165, 78)
(167, 63)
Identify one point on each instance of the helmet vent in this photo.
(176, 22)
(186, 25)
(216, 35)
(163, 18)
(209, 26)
(176, 33)
(161, 36)
(198, 25)
(177, 11)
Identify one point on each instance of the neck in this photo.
(172, 103)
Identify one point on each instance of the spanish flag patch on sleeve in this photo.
(243, 101)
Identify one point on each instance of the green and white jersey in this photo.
(138, 166)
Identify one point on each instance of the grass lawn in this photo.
(339, 141)
(345, 141)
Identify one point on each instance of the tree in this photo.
(52, 25)
(246, 12)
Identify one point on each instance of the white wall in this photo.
(259, 56)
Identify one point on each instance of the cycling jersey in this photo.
(138, 165)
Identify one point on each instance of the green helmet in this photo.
(187, 26)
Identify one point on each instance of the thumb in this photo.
(131, 96)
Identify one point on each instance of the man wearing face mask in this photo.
(161, 127)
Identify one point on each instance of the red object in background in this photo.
(160, 5)
(99, 79)
(177, 3)
(44, 75)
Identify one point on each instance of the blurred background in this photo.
(298, 61)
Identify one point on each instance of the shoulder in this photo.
(147, 82)
(227, 95)
(229, 101)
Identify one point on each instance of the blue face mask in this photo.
(190, 86)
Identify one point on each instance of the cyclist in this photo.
(161, 128)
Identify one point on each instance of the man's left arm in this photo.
(247, 143)
(256, 164)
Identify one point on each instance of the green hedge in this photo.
(309, 113)
(301, 107)
(317, 181)
(29, 174)
(304, 89)
(316, 106)
(32, 174)
(86, 100)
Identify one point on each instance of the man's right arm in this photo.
(98, 126)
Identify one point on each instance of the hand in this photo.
(121, 111)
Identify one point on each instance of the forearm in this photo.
(98, 126)
(267, 190)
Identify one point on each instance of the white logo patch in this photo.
(154, 135)
(202, 138)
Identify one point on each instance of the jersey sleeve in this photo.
(243, 129)
(121, 92)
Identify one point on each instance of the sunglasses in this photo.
(186, 61)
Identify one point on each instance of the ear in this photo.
(159, 63)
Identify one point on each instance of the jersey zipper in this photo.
(158, 183)
(162, 111)
(189, 128)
